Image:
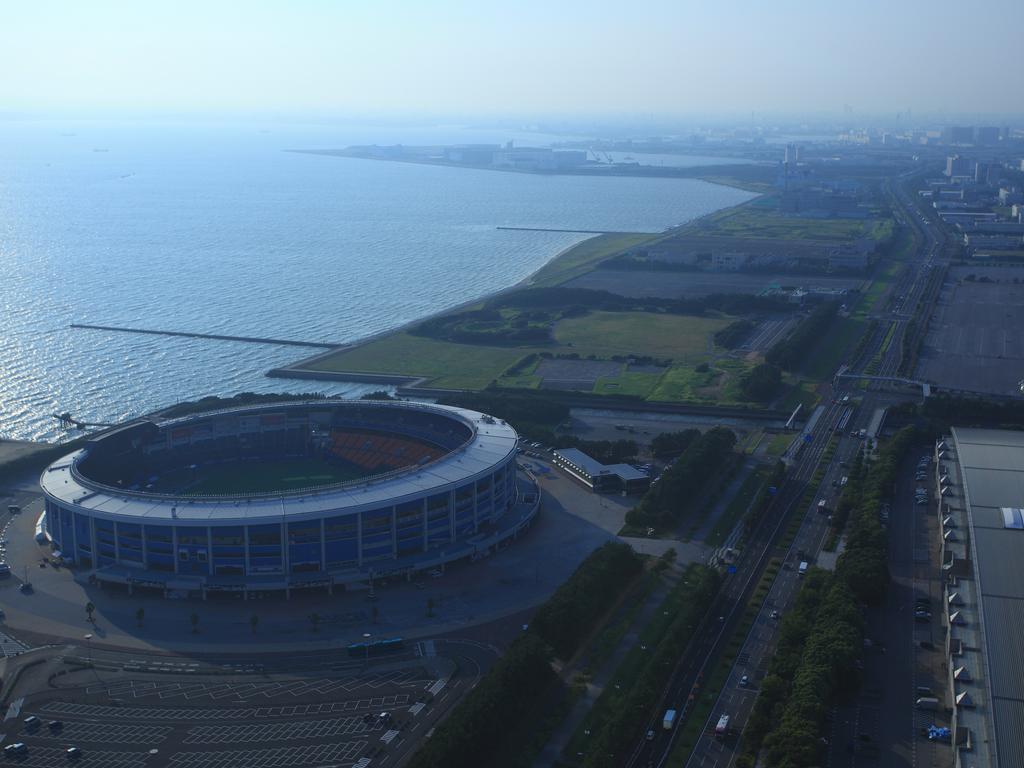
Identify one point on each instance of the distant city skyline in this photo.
(656, 58)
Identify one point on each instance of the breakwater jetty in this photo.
(214, 336)
(572, 231)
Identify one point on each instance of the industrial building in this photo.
(980, 487)
(601, 478)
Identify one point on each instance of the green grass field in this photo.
(585, 256)
(443, 364)
(256, 477)
(677, 337)
(759, 221)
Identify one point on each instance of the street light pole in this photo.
(88, 647)
(366, 647)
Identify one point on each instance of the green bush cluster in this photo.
(671, 444)
(789, 354)
(761, 383)
(684, 483)
(734, 333)
(568, 615)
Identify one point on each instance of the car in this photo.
(25, 587)
(55, 725)
(744, 681)
(73, 753)
(774, 614)
(31, 722)
(922, 618)
(650, 734)
(928, 645)
(17, 748)
(435, 574)
(922, 502)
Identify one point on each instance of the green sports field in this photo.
(255, 477)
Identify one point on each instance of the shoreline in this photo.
(298, 370)
(623, 172)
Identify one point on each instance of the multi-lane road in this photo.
(914, 288)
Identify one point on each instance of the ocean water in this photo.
(215, 228)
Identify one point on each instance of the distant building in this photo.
(1010, 196)
(471, 154)
(848, 257)
(728, 262)
(538, 158)
(993, 242)
(959, 167)
(986, 136)
(601, 478)
(958, 134)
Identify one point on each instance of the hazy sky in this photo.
(562, 57)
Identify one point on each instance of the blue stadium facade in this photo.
(435, 484)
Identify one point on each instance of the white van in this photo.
(803, 569)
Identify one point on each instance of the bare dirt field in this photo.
(674, 285)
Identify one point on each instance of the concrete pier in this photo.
(214, 336)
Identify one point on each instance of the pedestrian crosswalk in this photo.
(11, 646)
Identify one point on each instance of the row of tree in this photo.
(761, 383)
(790, 353)
(474, 733)
(734, 333)
(821, 638)
(630, 708)
(685, 483)
(480, 730)
(568, 615)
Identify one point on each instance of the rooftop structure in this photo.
(980, 485)
(600, 477)
(278, 496)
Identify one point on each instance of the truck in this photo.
(722, 727)
(669, 720)
(803, 569)
(822, 507)
(927, 702)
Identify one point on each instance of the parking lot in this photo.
(974, 342)
(358, 717)
(903, 660)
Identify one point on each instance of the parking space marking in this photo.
(47, 757)
(286, 732)
(372, 704)
(278, 757)
(106, 733)
(248, 690)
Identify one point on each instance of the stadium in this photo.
(311, 494)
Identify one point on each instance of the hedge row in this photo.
(570, 613)
(632, 707)
(472, 735)
(507, 700)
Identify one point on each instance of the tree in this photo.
(140, 615)
(90, 609)
(253, 621)
(314, 621)
(194, 618)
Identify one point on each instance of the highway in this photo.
(722, 620)
(726, 612)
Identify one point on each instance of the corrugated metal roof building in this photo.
(983, 472)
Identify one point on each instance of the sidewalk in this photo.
(560, 738)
